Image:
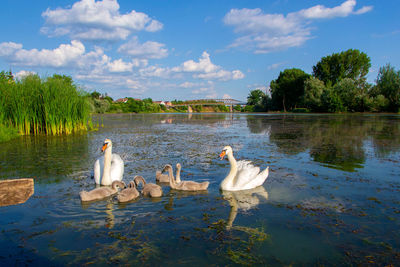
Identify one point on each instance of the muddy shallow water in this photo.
(332, 197)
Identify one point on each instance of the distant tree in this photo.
(388, 84)
(349, 94)
(255, 97)
(351, 64)
(108, 98)
(331, 101)
(258, 99)
(313, 90)
(95, 95)
(287, 91)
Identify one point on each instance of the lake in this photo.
(332, 196)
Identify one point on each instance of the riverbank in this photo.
(7, 133)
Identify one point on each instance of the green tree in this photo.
(95, 95)
(349, 94)
(331, 101)
(351, 64)
(388, 84)
(258, 99)
(255, 97)
(288, 90)
(313, 90)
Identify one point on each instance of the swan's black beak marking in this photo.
(104, 147)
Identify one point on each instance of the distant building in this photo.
(168, 103)
(159, 102)
(121, 100)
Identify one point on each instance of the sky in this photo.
(185, 50)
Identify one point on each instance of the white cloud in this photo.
(275, 65)
(226, 96)
(7, 49)
(187, 85)
(62, 56)
(146, 50)
(204, 65)
(263, 33)
(23, 73)
(120, 66)
(154, 71)
(344, 10)
(237, 75)
(205, 69)
(96, 20)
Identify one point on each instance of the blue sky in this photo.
(185, 50)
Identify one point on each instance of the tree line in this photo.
(337, 84)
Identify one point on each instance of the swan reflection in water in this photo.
(243, 200)
(109, 218)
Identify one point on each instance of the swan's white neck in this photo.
(106, 179)
(229, 179)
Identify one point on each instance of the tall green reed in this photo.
(51, 106)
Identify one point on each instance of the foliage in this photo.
(259, 100)
(388, 85)
(237, 108)
(95, 95)
(249, 108)
(351, 64)
(221, 108)
(331, 101)
(313, 90)
(349, 94)
(141, 106)
(7, 133)
(255, 97)
(288, 89)
(43, 106)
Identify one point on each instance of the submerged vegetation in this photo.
(49, 106)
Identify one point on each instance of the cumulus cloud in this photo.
(23, 73)
(205, 69)
(263, 33)
(96, 20)
(154, 71)
(67, 56)
(120, 66)
(62, 56)
(146, 50)
(187, 85)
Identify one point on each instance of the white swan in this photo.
(109, 167)
(243, 175)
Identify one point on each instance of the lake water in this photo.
(332, 197)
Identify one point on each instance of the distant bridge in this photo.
(212, 102)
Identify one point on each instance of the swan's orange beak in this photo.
(104, 147)
(222, 155)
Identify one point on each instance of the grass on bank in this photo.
(50, 106)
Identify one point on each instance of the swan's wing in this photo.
(258, 180)
(117, 168)
(98, 169)
(245, 175)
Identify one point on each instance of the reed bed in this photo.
(50, 106)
